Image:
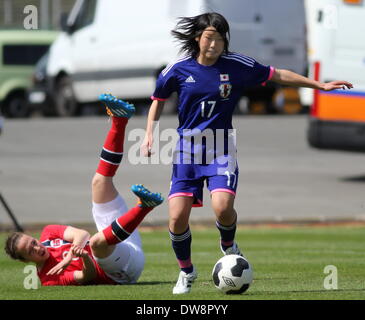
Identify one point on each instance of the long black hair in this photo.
(188, 28)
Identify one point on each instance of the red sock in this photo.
(112, 152)
(121, 228)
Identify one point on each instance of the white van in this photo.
(120, 46)
(337, 52)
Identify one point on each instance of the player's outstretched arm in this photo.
(290, 78)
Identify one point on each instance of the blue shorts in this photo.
(194, 187)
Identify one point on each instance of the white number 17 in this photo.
(211, 104)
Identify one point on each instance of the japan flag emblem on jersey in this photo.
(224, 77)
(225, 90)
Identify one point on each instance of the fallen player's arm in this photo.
(88, 272)
(78, 237)
(287, 77)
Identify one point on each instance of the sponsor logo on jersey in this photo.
(56, 243)
(225, 90)
(190, 79)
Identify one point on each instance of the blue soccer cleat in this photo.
(117, 107)
(147, 198)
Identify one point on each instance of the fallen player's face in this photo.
(32, 250)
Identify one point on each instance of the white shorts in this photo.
(126, 263)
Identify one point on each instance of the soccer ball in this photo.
(232, 274)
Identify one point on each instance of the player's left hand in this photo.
(78, 251)
(333, 85)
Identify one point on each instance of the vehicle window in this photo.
(86, 15)
(23, 54)
(235, 10)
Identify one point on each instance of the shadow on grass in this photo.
(152, 283)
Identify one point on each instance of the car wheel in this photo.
(16, 106)
(65, 102)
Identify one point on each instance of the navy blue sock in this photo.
(181, 243)
(227, 234)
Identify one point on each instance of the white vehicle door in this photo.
(83, 42)
(135, 39)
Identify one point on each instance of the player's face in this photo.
(32, 250)
(211, 45)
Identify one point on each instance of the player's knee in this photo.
(223, 210)
(97, 181)
(222, 204)
(97, 242)
(179, 212)
(99, 247)
(178, 224)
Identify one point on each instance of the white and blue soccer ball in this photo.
(232, 274)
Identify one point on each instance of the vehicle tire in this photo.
(65, 102)
(16, 106)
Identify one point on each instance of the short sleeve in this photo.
(165, 86)
(53, 232)
(260, 74)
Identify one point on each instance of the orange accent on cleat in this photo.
(109, 113)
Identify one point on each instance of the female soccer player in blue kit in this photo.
(209, 81)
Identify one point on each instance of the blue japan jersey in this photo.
(207, 98)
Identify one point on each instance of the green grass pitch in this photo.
(288, 264)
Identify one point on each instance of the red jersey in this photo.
(52, 239)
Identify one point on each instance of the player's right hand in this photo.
(146, 147)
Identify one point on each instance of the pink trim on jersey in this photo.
(159, 99)
(223, 190)
(272, 71)
(271, 74)
(184, 263)
(181, 194)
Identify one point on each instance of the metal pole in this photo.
(44, 14)
(8, 12)
(11, 215)
(56, 13)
